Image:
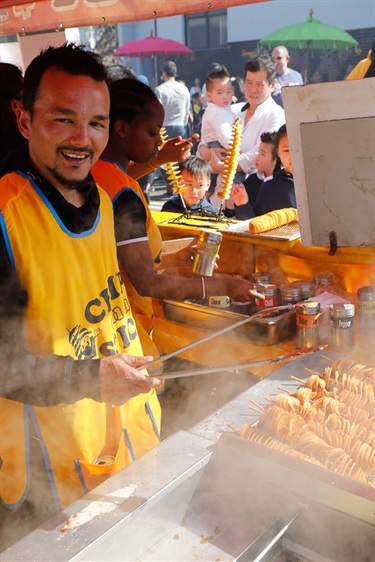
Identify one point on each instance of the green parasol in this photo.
(312, 34)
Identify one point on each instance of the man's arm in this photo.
(47, 381)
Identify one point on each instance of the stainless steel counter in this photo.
(200, 495)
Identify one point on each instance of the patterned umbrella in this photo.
(312, 34)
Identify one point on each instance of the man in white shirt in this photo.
(285, 76)
(175, 98)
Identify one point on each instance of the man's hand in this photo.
(120, 379)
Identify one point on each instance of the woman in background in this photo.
(136, 118)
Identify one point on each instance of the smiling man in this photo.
(74, 407)
(260, 114)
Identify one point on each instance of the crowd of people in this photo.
(80, 250)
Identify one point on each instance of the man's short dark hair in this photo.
(219, 71)
(170, 68)
(71, 58)
(196, 166)
(262, 62)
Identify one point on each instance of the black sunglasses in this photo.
(279, 58)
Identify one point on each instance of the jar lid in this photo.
(342, 310)
(290, 291)
(267, 289)
(366, 293)
(308, 307)
(209, 236)
(302, 283)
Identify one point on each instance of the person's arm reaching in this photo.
(174, 150)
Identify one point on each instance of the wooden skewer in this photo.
(327, 358)
(297, 379)
(285, 390)
(256, 410)
(313, 372)
(258, 405)
(234, 428)
(269, 399)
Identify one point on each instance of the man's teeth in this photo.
(75, 156)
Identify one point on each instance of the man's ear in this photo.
(273, 84)
(24, 121)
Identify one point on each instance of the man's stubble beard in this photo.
(72, 185)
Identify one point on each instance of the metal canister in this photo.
(366, 309)
(341, 330)
(306, 288)
(262, 277)
(105, 460)
(307, 320)
(271, 293)
(208, 250)
(290, 294)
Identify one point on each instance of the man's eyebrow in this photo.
(70, 112)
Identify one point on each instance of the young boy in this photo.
(218, 118)
(278, 192)
(196, 174)
(267, 163)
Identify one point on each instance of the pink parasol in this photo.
(152, 46)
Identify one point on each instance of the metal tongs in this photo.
(241, 366)
(275, 360)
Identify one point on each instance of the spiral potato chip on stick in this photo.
(231, 160)
(163, 136)
(175, 178)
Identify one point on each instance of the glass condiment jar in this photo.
(307, 321)
(290, 294)
(341, 330)
(306, 288)
(366, 309)
(271, 293)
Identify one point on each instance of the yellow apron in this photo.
(77, 306)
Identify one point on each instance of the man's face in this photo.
(281, 59)
(220, 92)
(257, 88)
(69, 127)
(196, 187)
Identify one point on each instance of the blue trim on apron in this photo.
(80, 476)
(27, 454)
(128, 443)
(47, 462)
(150, 413)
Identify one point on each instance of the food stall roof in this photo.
(20, 17)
